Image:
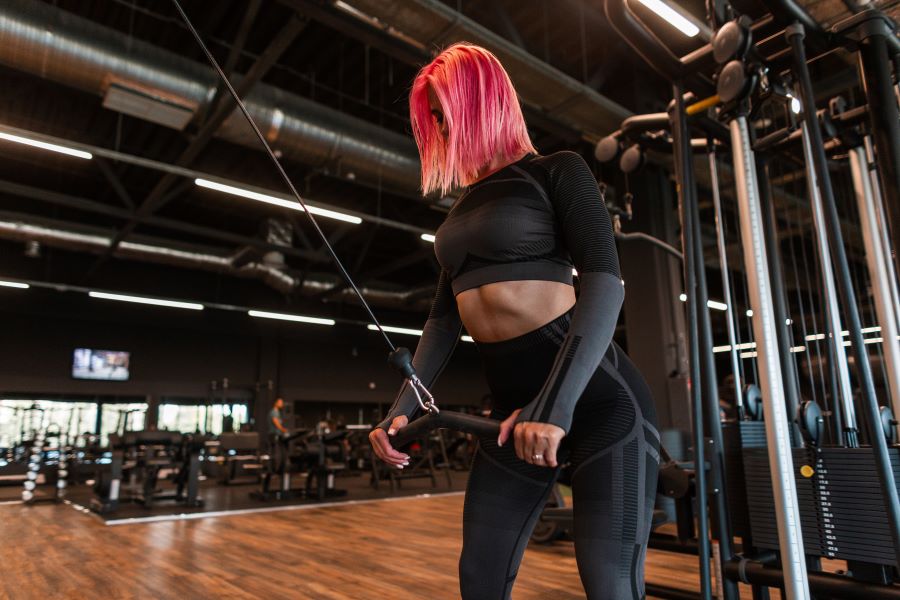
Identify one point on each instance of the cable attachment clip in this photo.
(401, 360)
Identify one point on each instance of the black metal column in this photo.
(875, 71)
(684, 177)
(715, 449)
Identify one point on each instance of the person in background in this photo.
(276, 431)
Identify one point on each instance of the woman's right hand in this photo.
(381, 443)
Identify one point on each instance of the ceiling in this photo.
(354, 71)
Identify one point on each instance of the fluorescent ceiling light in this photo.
(45, 146)
(748, 354)
(797, 349)
(467, 338)
(674, 18)
(283, 317)
(749, 312)
(14, 284)
(293, 205)
(389, 329)
(428, 237)
(142, 300)
(873, 340)
(875, 329)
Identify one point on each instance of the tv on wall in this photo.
(110, 365)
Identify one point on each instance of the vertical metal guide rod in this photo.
(877, 263)
(883, 228)
(834, 339)
(724, 550)
(787, 512)
(726, 284)
(682, 158)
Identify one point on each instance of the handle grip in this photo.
(421, 427)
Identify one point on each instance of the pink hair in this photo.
(481, 111)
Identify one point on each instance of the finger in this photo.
(550, 452)
(385, 451)
(519, 438)
(531, 447)
(506, 427)
(398, 423)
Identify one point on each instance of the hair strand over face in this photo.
(482, 113)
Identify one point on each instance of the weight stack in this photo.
(842, 511)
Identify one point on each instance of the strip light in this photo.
(744, 346)
(428, 237)
(14, 284)
(390, 329)
(715, 304)
(142, 300)
(672, 16)
(45, 146)
(467, 338)
(285, 317)
(291, 204)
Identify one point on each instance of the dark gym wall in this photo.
(177, 353)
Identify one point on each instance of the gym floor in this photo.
(339, 552)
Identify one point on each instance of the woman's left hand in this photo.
(536, 443)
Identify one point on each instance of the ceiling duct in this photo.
(435, 25)
(132, 75)
(155, 253)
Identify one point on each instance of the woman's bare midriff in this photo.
(507, 309)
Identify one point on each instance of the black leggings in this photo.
(612, 453)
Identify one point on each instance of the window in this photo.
(188, 418)
(119, 418)
(19, 418)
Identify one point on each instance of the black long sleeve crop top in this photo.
(533, 219)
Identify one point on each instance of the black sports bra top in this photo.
(504, 228)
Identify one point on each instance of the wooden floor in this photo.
(399, 549)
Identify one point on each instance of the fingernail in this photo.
(399, 466)
(392, 431)
(499, 443)
(406, 464)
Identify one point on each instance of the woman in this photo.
(565, 393)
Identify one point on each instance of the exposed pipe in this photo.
(433, 24)
(272, 276)
(38, 38)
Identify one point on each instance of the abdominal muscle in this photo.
(507, 309)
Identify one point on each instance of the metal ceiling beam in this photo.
(114, 182)
(192, 174)
(153, 202)
(234, 53)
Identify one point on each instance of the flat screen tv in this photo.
(109, 365)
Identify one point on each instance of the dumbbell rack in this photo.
(30, 494)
